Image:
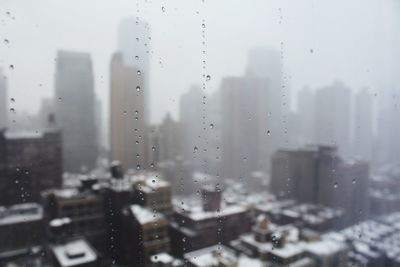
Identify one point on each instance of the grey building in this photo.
(332, 122)
(75, 110)
(3, 101)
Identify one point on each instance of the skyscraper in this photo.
(191, 113)
(362, 132)
(242, 119)
(3, 101)
(134, 45)
(306, 115)
(332, 122)
(128, 129)
(75, 110)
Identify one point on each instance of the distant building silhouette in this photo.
(363, 125)
(75, 110)
(306, 116)
(333, 114)
(316, 174)
(3, 101)
(191, 113)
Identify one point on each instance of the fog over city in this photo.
(352, 41)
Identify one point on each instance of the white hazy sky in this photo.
(351, 40)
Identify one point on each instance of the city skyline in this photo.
(359, 73)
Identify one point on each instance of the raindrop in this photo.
(137, 57)
(12, 99)
(163, 9)
(153, 148)
(311, 50)
(195, 149)
(335, 185)
(6, 41)
(12, 110)
(138, 88)
(353, 181)
(203, 25)
(211, 126)
(139, 72)
(11, 67)
(208, 77)
(268, 132)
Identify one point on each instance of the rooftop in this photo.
(21, 213)
(74, 253)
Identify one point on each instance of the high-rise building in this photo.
(3, 101)
(388, 128)
(75, 110)
(128, 128)
(134, 45)
(29, 163)
(306, 116)
(243, 119)
(191, 113)
(253, 117)
(332, 122)
(362, 132)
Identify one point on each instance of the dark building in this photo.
(193, 228)
(85, 211)
(117, 195)
(145, 234)
(75, 110)
(29, 163)
(21, 228)
(317, 175)
(153, 193)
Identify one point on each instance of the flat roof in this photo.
(74, 253)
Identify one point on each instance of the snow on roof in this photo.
(21, 213)
(212, 256)
(145, 216)
(325, 247)
(74, 253)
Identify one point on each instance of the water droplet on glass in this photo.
(211, 126)
(11, 67)
(139, 72)
(163, 9)
(12, 99)
(138, 88)
(335, 185)
(203, 25)
(6, 41)
(268, 132)
(311, 51)
(195, 149)
(208, 77)
(353, 181)
(137, 57)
